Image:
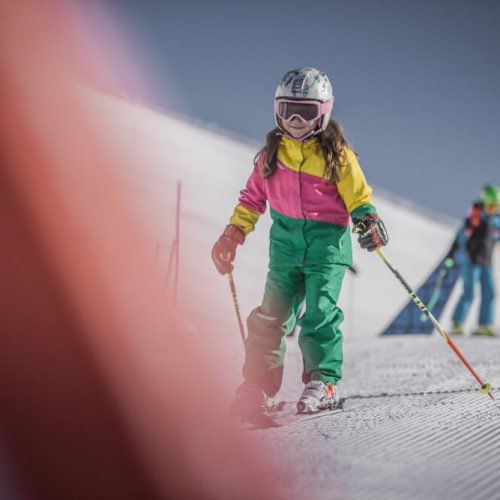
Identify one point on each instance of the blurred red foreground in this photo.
(84, 412)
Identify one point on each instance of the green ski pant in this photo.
(320, 338)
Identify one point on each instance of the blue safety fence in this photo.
(434, 293)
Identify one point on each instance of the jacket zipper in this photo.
(300, 201)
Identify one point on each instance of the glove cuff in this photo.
(234, 233)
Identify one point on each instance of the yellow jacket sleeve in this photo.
(252, 201)
(353, 187)
(245, 218)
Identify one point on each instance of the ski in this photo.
(284, 414)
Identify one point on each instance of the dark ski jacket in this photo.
(477, 236)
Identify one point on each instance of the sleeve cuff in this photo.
(363, 210)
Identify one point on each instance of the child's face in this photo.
(298, 128)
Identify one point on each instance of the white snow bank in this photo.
(212, 166)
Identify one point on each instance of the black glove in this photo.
(224, 250)
(371, 232)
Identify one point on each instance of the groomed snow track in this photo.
(424, 433)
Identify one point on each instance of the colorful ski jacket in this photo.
(310, 215)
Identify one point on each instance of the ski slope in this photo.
(212, 166)
(415, 426)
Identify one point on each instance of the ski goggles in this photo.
(492, 208)
(309, 110)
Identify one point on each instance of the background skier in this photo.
(473, 250)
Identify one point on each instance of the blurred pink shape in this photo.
(102, 393)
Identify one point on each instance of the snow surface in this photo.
(414, 425)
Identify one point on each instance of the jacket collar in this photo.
(297, 143)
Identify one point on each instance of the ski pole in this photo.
(486, 388)
(236, 305)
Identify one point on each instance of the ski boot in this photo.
(485, 331)
(249, 398)
(317, 396)
(457, 329)
(252, 406)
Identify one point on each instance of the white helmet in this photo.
(306, 84)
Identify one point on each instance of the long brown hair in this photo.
(332, 141)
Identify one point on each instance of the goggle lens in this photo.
(306, 111)
(492, 208)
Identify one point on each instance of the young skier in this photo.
(473, 250)
(313, 183)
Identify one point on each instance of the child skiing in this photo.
(473, 250)
(313, 183)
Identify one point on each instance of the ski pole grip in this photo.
(358, 225)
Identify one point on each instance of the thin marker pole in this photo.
(170, 261)
(177, 240)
